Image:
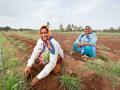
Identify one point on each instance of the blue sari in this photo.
(86, 50)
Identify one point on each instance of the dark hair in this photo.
(88, 27)
(44, 27)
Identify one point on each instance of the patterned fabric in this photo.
(86, 50)
(45, 57)
(90, 38)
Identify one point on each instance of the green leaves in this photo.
(69, 82)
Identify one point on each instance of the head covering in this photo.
(44, 26)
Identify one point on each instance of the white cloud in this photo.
(115, 6)
(33, 13)
(85, 6)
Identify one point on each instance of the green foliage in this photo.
(7, 28)
(10, 81)
(12, 77)
(9, 58)
(61, 28)
(112, 30)
(69, 82)
(103, 57)
(69, 28)
(96, 66)
(2, 39)
(18, 44)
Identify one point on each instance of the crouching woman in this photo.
(47, 50)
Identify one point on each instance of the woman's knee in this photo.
(75, 47)
(88, 47)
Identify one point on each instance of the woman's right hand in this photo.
(79, 45)
(27, 71)
(48, 44)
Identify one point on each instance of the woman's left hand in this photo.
(35, 81)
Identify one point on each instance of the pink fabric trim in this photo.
(40, 59)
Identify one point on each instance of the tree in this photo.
(68, 28)
(111, 29)
(48, 24)
(61, 27)
(80, 28)
(118, 28)
(72, 27)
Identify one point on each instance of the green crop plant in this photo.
(69, 82)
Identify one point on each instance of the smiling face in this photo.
(44, 34)
(88, 30)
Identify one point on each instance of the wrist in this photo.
(29, 66)
(37, 77)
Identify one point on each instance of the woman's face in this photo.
(87, 30)
(44, 34)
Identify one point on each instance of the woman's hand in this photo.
(35, 81)
(48, 44)
(79, 45)
(27, 71)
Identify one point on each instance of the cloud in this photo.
(33, 13)
(85, 6)
(115, 6)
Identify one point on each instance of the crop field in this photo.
(75, 74)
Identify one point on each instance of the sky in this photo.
(99, 14)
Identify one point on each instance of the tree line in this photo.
(112, 30)
(68, 28)
(8, 28)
